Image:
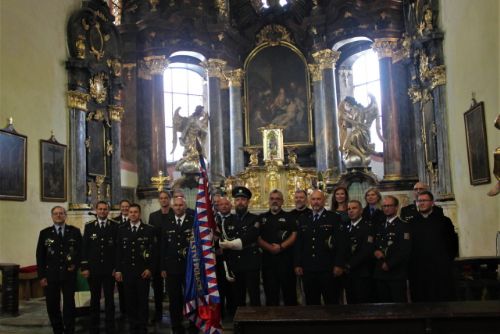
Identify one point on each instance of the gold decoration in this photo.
(78, 100)
(108, 191)
(156, 65)
(153, 4)
(99, 180)
(273, 34)
(87, 144)
(116, 65)
(160, 180)
(315, 72)
(116, 113)
(435, 75)
(326, 58)
(96, 44)
(222, 9)
(254, 156)
(426, 25)
(98, 89)
(214, 67)
(89, 189)
(80, 47)
(109, 148)
(224, 82)
(79, 206)
(129, 67)
(402, 52)
(385, 47)
(292, 156)
(235, 77)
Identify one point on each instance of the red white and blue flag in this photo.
(202, 300)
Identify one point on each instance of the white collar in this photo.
(390, 220)
(181, 218)
(137, 225)
(319, 213)
(356, 222)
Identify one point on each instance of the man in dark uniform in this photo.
(392, 251)
(135, 259)
(278, 232)
(57, 257)
(434, 247)
(410, 211)
(241, 251)
(180, 193)
(176, 234)
(98, 264)
(360, 263)
(320, 252)
(122, 218)
(301, 208)
(159, 219)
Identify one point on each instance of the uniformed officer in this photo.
(372, 211)
(360, 263)
(278, 232)
(98, 264)
(57, 257)
(241, 251)
(410, 211)
(122, 218)
(176, 234)
(135, 259)
(392, 251)
(301, 208)
(320, 252)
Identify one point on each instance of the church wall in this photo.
(32, 90)
(472, 58)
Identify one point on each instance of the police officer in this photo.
(241, 251)
(98, 264)
(122, 218)
(176, 234)
(135, 259)
(301, 208)
(320, 252)
(392, 251)
(57, 257)
(360, 263)
(278, 232)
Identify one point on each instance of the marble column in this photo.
(328, 129)
(115, 115)
(319, 119)
(77, 103)
(215, 69)
(236, 121)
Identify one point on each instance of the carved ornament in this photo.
(326, 58)
(99, 180)
(222, 9)
(160, 181)
(109, 148)
(214, 67)
(80, 47)
(273, 34)
(97, 115)
(153, 4)
(98, 89)
(403, 51)
(116, 66)
(78, 100)
(315, 72)
(385, 47)
(235, 77)
(96, 39)
(156, 65)
(129, 68)
(115, 113)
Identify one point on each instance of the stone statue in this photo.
(354, 123)
(192, 127)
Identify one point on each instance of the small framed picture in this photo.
(477, 144)
(54, 170)
(13, 158)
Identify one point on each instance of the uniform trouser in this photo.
(359, 289)
(175, 283)
(158, 295)
(247, 281)
(121, 298)
(136, 296)
(65, 323)
(321, 284)
(276, 279)
(226, 297)
(391, 291)
(106, 282)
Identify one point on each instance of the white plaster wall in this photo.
(32, 90)
(472, 58)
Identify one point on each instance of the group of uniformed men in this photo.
(313, 244)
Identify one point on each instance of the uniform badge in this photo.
(406, 236)
(370, 239)
(93, 236)
(389, 242)
(145, 254)
(49, 242)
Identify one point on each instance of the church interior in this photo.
(295, 94)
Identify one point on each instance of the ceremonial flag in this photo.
(201, 296)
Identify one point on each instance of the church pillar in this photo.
(115, 113)
(326, 125)
(319, 119)
(214, 69)
(77, 103)
(236, 121)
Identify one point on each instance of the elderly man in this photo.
(410, 211)
(278, 231)
(57, 257)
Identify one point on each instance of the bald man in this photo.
(410, 212)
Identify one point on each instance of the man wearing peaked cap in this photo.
(242, 192)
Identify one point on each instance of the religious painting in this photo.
(53, 169)
(277, 93)
(477, 144)
(272, 139)
(13, 158)
(96, 148)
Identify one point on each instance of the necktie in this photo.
(102, 225)
(134, 229)
(316, 217)
(372, 210)
(179, 221)
(59, 232)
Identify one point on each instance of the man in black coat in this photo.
(135, 261)
(301, 208)
(434, 247)
(58, 255)
(410, 211)
(122, 218)
(98, 264)
(392, 251)
(320, 252)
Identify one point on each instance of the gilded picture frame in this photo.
(272, 143)
(277, 91)
(53, 168)
(477, 144)
(13, 162)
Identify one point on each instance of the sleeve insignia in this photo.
(407, 236)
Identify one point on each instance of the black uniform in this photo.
(393, 239)
(98, 257)
(296, 214)
(375, 216)
(58, 259)
(245, 263)
(135, 252)
(226, 297)
(277, 269)
(434, 247)
(174, 244)
(321, 245)
(360, 263)
(410, 212)
(157, 219)
(121, 294)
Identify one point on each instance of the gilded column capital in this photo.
(235, 77)
(78, 100)
(156, 65)
(315, 72)
(385, 47)
(115, 113)
(326, 58)
(404, 49)
(214, 67)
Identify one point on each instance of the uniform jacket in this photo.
(361, 240)
(276, 228)
(296, 214)
(377, 218)
(174, 243)
(99, 247)
(158, 220)
(410, 212)
(54, 255)
(119, 219)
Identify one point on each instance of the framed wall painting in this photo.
(477, 144)
(53, 158)
(13, 162)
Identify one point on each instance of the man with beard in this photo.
(241, 251)
(301, 208)
(278, 232)
(410, 211)
(434, 247)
